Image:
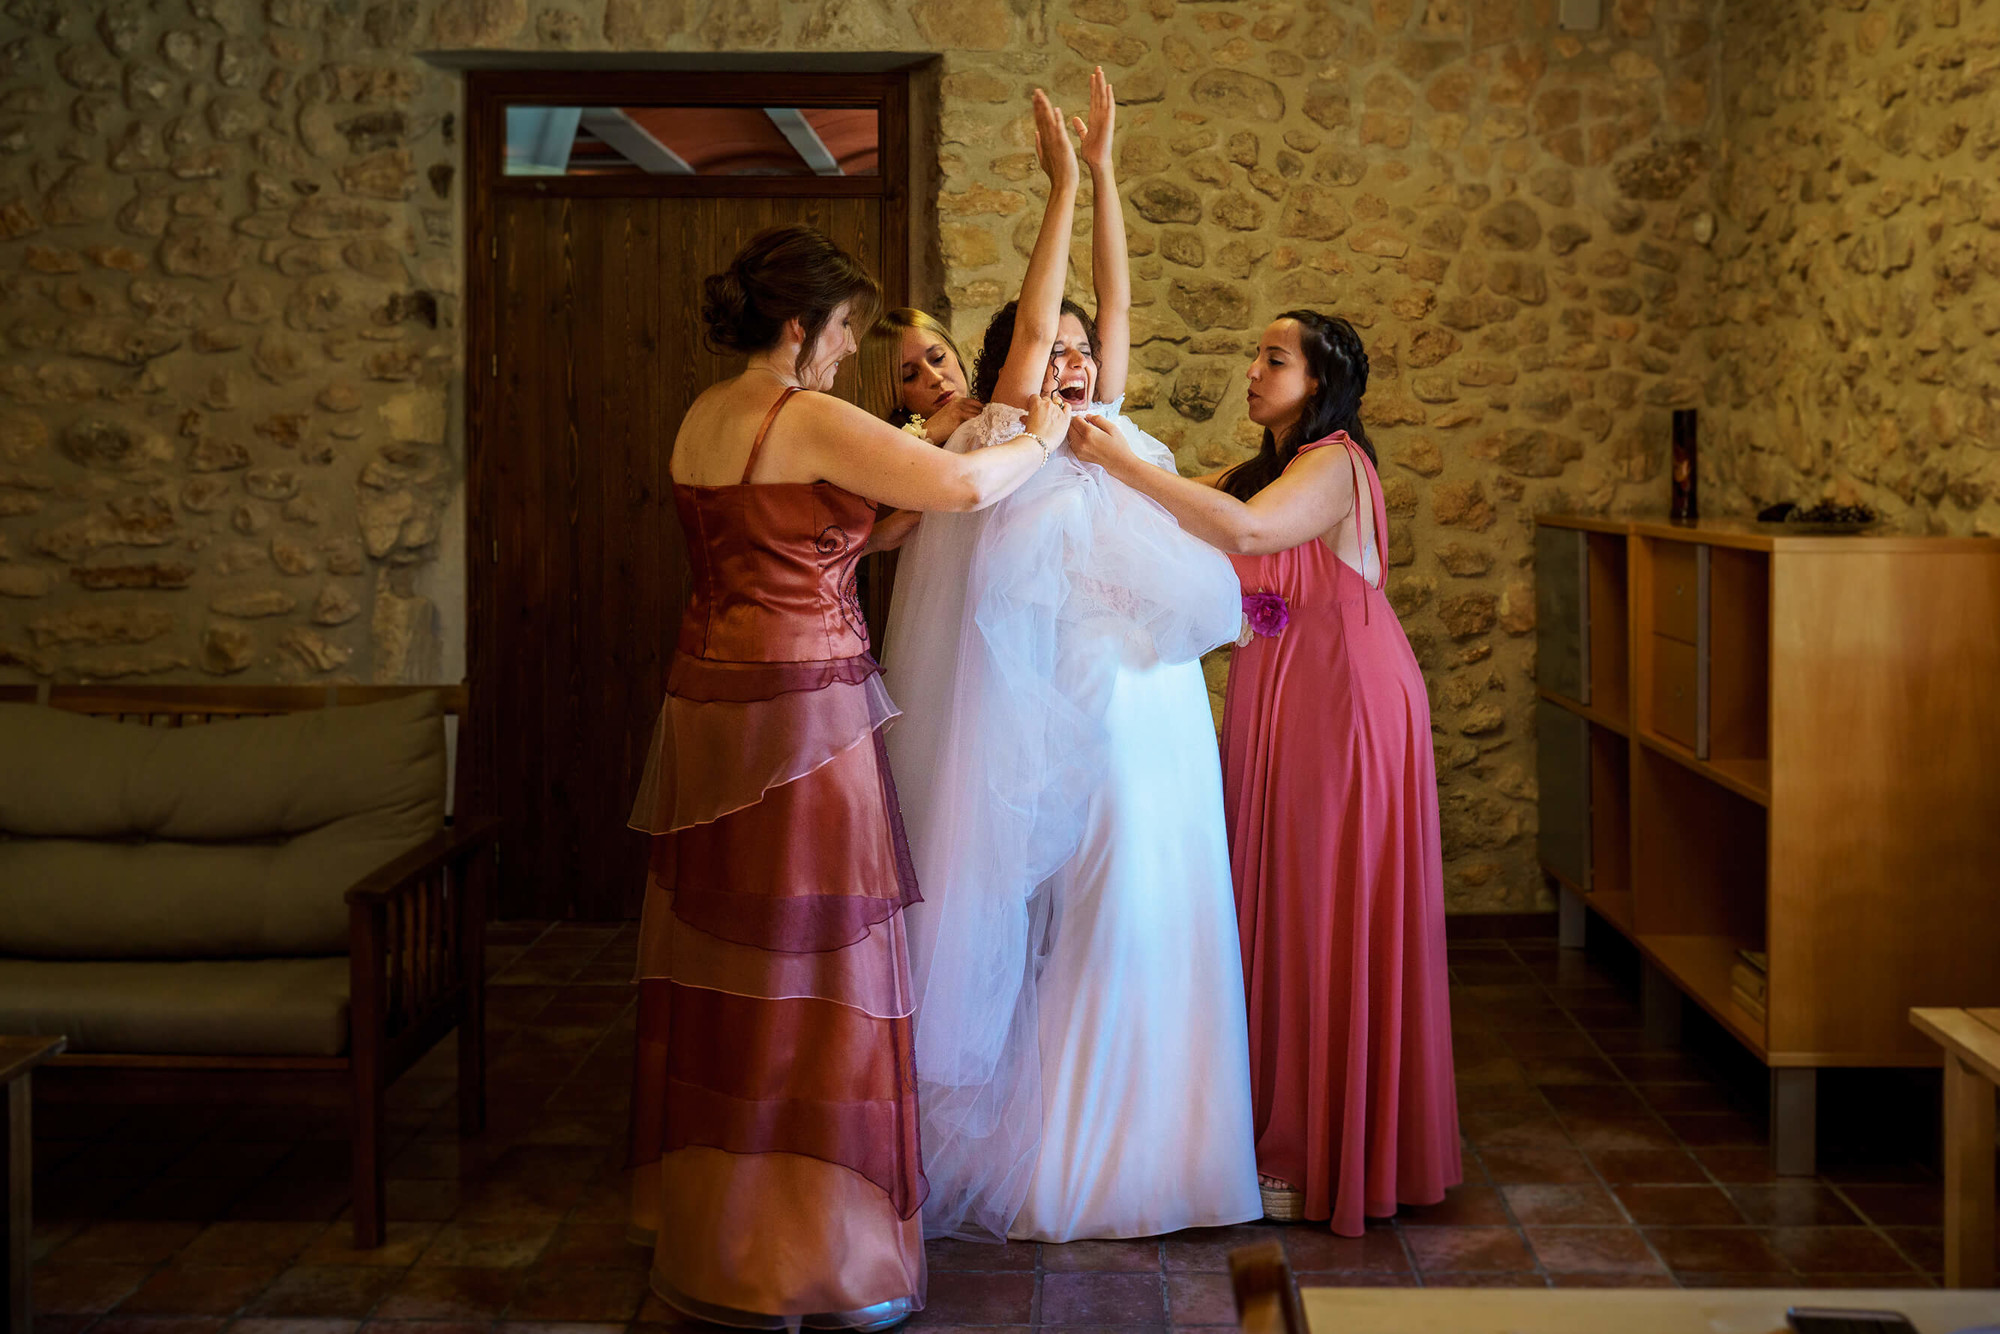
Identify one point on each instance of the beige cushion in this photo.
(229, 1007)
(234, 838)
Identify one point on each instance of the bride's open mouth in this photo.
(1073, 394)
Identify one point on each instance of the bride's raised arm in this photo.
(1110, 268)
(1048, 267)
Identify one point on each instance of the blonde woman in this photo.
(913, 374)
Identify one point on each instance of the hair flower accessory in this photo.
(915, 426)
(1266, 613)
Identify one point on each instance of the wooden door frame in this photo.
(487, 94)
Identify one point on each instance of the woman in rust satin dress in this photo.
(774, 1123)
(1331, 787)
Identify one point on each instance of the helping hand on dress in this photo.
(1097, 440)
(940, 424)
(1048, 419)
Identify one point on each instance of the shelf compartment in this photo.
(1562, 612)
(1610, 816)
(1610, 620)
(1597, 717)
(1583, 772)
(1679, 569)
(1700, 967)
(1677, 669)
(1699, 853)
(1582, 615)
(1738, 660)
(1703, 639)
(1749, 779)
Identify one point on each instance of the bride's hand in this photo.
(1096, 133)
(1053, 149)
(939, 426)
(1048, 418)
(1098, 440)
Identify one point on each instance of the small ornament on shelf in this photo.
(1826, 517)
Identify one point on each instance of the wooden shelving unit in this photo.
(1756, 741)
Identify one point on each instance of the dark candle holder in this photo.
(1686, 507)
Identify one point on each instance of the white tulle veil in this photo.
(1005, 631)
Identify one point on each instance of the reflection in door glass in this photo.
(692, 141)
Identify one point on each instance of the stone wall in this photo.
(229, 276)
(1855, 277)
(228, 231)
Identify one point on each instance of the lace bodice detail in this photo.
(998, 423)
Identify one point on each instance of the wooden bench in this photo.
(1623, 1311)
(18, 1058)
(1268, 1302)
(1267, 1297)
(1971, 1042)
(416, 945)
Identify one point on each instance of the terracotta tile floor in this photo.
(1592, 1159)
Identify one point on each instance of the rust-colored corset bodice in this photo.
(772, 572)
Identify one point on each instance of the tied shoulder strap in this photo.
(1364, 480)
(757, 445)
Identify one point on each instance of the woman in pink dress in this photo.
(1331, 789)
(774, 1154)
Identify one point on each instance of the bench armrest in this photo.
(416, 946)
(454, 845)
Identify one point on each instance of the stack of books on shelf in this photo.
(1746, 983)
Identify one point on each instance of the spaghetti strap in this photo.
(757, 445)
(1364, 478)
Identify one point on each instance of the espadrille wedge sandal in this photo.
(1283, 1204)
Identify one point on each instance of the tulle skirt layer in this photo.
(1007, 633)
(774, 1139)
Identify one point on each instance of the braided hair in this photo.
(1335, 358)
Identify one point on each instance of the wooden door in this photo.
(592, 309)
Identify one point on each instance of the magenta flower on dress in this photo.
(1266, 613)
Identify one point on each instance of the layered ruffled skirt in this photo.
(774, 1137)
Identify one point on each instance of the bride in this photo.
(1081, 1046)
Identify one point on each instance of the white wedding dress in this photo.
(1081, 1046)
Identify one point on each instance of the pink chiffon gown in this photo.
(1331, 788)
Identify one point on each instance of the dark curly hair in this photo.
(1334, 357)
(1000, 337)
(784, 273)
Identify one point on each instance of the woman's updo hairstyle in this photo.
(1336, 358)
(784, 273)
